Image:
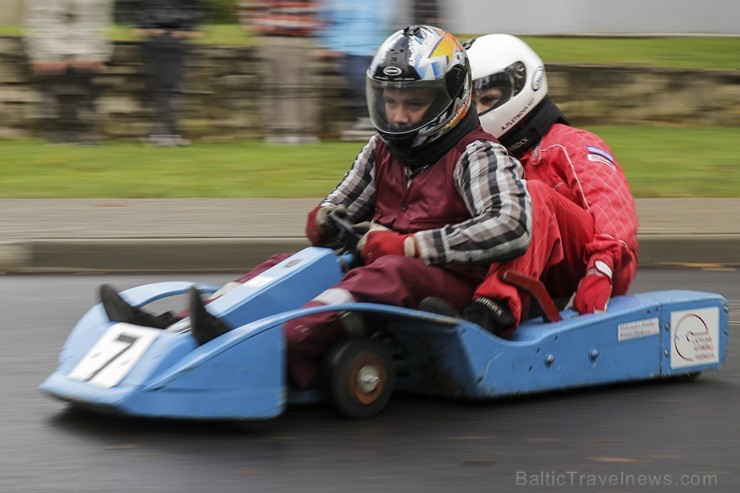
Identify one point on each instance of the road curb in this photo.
(142, 255)
(657, 250)
(14, 255)
(238, 254)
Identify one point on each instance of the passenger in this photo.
(446, 199)
(510, 92)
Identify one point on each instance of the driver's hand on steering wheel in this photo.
(320, 229)
(380, 241)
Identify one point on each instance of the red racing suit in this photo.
(579, 166)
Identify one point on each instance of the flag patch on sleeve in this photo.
(600, 155)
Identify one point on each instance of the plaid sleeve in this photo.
(491, 184)
(357, 189)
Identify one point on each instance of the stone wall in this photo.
(618, 95)
(221, 95)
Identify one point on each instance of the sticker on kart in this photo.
(114, 355)
(694, 337)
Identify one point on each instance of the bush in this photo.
(220, 11)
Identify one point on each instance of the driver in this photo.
(444, 198)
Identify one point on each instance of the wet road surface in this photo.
(666, 436)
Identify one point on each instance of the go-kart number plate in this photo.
(114, 355)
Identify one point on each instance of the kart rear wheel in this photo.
(360, 377)
(687, 377)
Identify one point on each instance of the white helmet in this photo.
(509, 67)
(419, 60)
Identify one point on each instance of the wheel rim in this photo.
(367, 379)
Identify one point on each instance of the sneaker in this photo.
(439, 306)
(204, 326)
(118, 310)
(493, 315)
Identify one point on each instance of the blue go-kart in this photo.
(130, 370)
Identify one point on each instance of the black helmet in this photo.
(423, 71)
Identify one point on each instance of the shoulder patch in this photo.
(595, 151)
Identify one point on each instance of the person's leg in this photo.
(391, 280)
(70, 95)
(48, 108)
(560, 231)
(297, 74)
(164, 62)
(173, 51)
(355, 68)
(272, 103)
(89, 120)
(118, 310)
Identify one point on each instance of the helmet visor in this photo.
(492, 91)
(402, 107)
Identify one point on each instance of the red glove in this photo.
(320, 230)
(376, 244)
(595, 289)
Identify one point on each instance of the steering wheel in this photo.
(349, 236)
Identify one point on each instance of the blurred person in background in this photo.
(287, 29)
(166, 26)
(426, 12)
(510, 93)
(351, 32)
(67, 47)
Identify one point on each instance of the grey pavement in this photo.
(226, 235)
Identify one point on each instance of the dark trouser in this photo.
(69, 109)
(390, 280)
(355, 68)
(165, 60)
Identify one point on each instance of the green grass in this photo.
(214, 34)
(248, 169)
(708, 53)
(659, 162)
(688, 52)
(677, 162)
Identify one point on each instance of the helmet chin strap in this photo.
(529, 132)
(416, 159)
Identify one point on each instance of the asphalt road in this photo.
(642, 437)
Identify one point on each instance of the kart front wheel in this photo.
(360, 377)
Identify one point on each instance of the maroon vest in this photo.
(430, 201)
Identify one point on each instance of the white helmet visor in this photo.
(494, 90)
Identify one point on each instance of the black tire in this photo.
(360, 377)
(687, 377)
